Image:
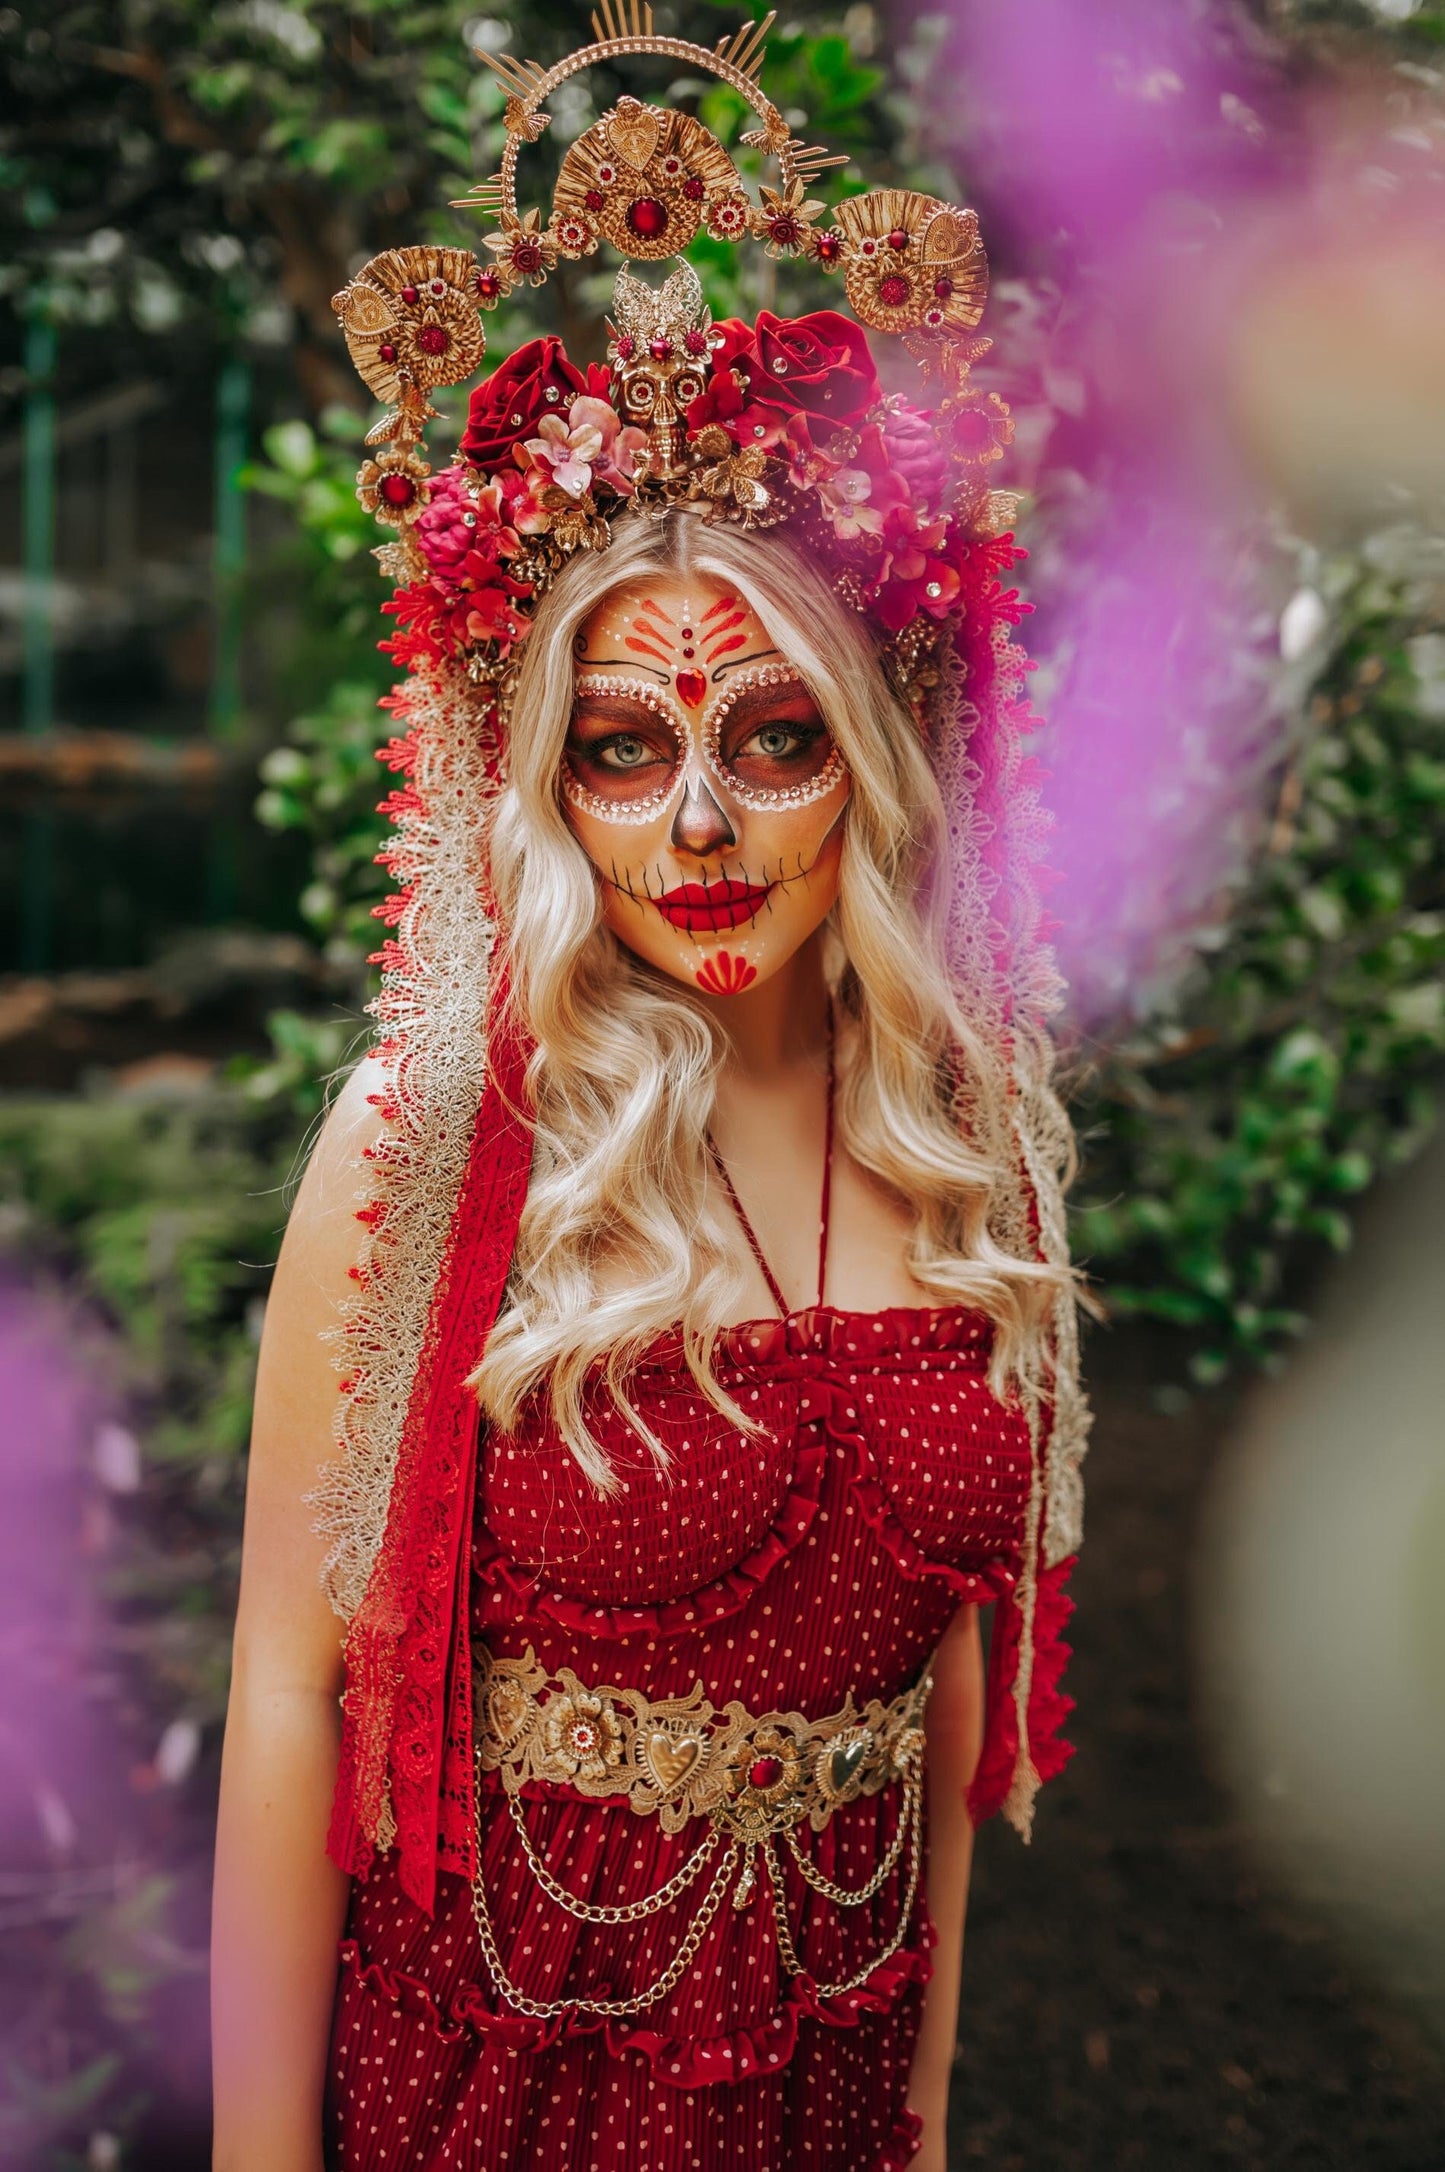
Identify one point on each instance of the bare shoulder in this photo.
(297, 1387)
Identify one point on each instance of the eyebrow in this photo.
(758, 656)
(617, 707)
(754, 698)
(625, 663)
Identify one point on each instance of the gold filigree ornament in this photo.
(410, 319)
(912, 263)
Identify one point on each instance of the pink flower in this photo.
(914, 451)
(443, 530)
(460, 531)
(845, 498)
(568, 449)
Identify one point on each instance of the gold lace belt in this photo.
(751, 1778)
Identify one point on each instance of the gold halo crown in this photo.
(648, 180)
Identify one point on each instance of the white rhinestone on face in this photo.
(631, 812)
(794, 795)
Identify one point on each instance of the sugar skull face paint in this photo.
(703, 784)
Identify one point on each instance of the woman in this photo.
(710, 1359)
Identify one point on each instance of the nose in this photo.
(700, 825)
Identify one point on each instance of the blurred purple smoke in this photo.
(1115, 149)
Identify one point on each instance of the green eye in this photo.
(775, 740)
(623, 753)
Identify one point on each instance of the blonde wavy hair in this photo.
(625, 1233)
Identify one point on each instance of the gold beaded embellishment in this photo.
(751, 1779)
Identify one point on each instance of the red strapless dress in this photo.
(822, 1555)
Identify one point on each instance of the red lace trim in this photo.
(408, 1724)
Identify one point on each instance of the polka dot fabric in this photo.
(825, 1550)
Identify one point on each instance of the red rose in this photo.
(509, 404)
(816, 365)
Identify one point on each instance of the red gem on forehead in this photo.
(647, 218)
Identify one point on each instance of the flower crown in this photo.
(784, 421)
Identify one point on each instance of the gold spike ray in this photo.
(487, 197)
(518, 76)
(746, 50)
(616, 19)
(809, 160)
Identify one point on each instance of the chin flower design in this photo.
(726, 973)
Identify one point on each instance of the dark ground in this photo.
(1135, 1992)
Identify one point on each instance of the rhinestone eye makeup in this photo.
(635, 811)
(757, 797)
(646, 807)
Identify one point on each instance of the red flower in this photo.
(506, 408)
(816, 365)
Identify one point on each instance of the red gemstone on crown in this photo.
(595, 200)
(438, 286)
(387, 352)
(765, 1772)
(898, 239)
(397, 490)
(433, 339)
(489, 285)
(626, 347)
(695, 341)
(694, 188)
(830, 248)
(659, 349)
(894, 291)
(942, 288)
(648, 218)
(410, 296)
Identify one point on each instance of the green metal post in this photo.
(37, 707)
(233, 409)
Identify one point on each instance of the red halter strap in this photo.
(774, 1291)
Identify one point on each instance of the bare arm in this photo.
(279, 1901)
(955, 1739)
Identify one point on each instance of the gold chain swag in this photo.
(682, 1758)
